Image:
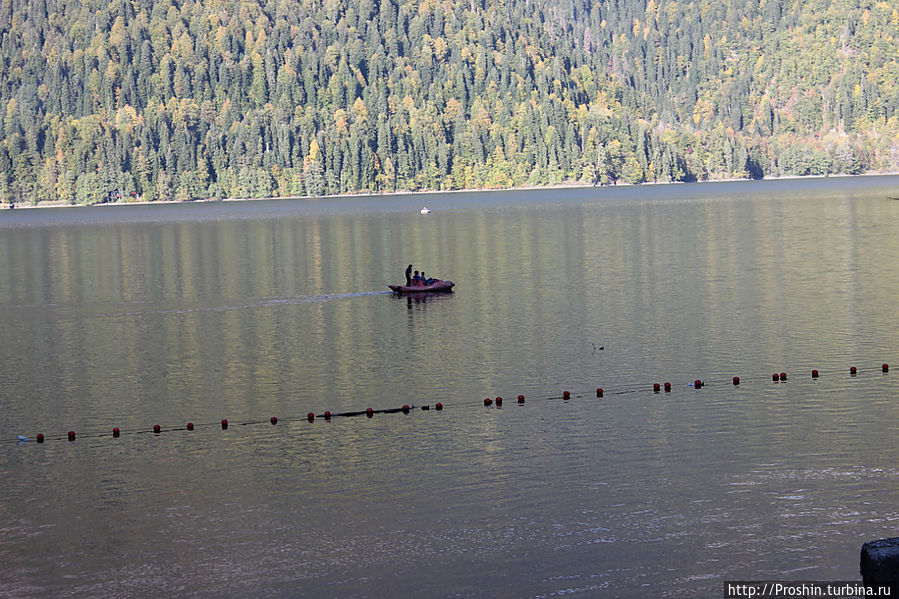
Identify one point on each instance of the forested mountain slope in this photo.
(176, 99)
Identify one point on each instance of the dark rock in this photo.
(880, 562)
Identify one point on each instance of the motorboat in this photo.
(437, 286)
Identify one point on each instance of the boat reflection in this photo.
(422, 297)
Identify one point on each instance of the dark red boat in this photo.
(437, 285)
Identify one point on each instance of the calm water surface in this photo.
(130, 316)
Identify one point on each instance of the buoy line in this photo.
(327, 415)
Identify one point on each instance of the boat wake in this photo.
(304, 299)
(287, 301)
(271, 302)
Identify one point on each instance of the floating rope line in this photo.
(327, 415)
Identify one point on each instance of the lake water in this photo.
(130, 316)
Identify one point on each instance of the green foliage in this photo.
(179, 99)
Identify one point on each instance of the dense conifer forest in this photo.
(178, 99)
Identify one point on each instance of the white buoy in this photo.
(425, 210)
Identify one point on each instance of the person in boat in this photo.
(416, 279)
(424, 279)
(408, 275)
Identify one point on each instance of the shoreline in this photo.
(390, 194)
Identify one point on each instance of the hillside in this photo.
(170, 99)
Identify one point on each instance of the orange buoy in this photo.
(814, 374)
(667, 387)
(697, 384)
(736, 380)
(775, 377)
(853, 370)
(488, 401)
(405, 408)
(438, 406)
(499, 401)
(157, 429)
(369, 412)
(190, 426)
(656, 387)
(115, 432)
(71, 435)
(566, 395)
(327, 415)
(310, 416)
(885, 367)
(521, 399)
(224, 424)
(599, 392)
(40, 437)
(274, 420)
(783, 376)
